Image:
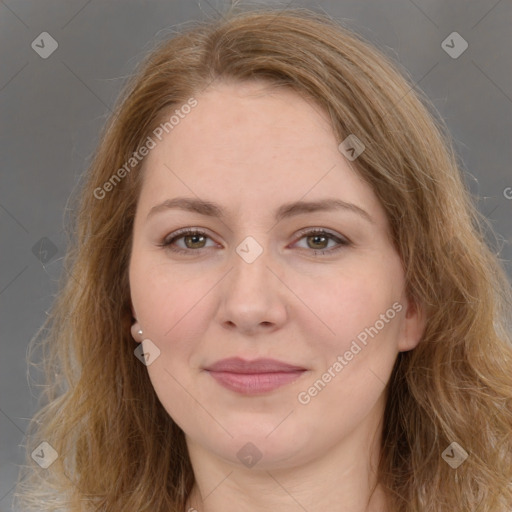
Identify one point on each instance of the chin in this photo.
(264, 445)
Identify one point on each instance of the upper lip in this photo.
(239, 365)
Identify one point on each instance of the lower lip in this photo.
(254, 383)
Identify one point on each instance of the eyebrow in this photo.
(210, 209)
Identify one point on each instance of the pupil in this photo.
(316, 237)
(194, 238)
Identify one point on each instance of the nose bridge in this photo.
(250, 261)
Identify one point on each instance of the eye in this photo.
(195, 240)
(318, 240)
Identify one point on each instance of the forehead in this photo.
(246, 124)
(254, 145)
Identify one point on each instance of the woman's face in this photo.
(257, 283)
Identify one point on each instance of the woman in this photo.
(280, 296)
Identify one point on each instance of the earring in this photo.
(136, 332)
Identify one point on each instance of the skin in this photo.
(251, 148)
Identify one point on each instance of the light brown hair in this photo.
(118, 448)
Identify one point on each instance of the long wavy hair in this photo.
(118, 449)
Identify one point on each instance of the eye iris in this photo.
(196, 236)
(316, 237)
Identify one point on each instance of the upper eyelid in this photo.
(180, 233)
(303, 232)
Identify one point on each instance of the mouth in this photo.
(254, 377)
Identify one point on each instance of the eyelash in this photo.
(167, 242)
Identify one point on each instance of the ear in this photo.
(414, 325)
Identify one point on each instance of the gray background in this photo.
(52, 111)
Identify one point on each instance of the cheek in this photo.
(347, 305)
(172, 313)
(165, 301)
(357, 337)
(353, 370)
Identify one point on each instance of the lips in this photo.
(253, 377)
(238, 365)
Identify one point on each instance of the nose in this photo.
(252, 296)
